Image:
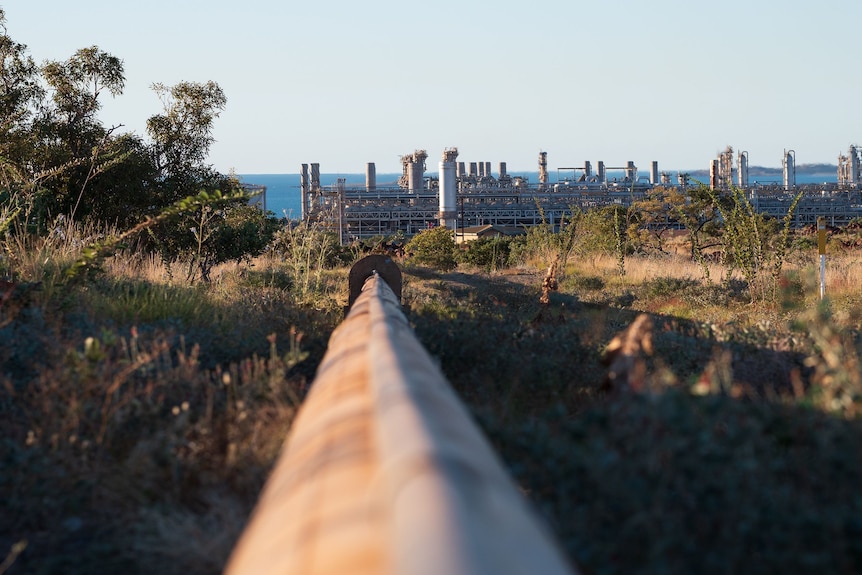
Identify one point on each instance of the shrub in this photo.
(434, 248)
(487, 253)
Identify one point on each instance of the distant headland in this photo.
(764, 172)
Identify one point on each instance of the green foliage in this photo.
(57, 158)
(223, 234)
(599, 231)
(434, 248)
(655, 216)
(182, 134)
(752, 244)
(667, 286)
(490, 254)
(307, 248)
(837, 376)
(212, 229)
(698, 212)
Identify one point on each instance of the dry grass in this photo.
(139, 414)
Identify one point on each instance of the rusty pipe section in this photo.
(385, 472)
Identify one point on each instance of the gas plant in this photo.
(464, 195)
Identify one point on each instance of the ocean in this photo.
(283, 192)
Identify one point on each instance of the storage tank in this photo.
(653, 173)
(461, 170)
(600, 172)
(588, 169)
(503, 170)
(448, 198)
(474, 169)
(631, 171)
(370, 177)
(488, 169)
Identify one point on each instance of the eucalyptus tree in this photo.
(20, 94)
(75, 146)
(76, 86)
(182, 135)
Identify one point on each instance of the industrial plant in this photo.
(464, 195)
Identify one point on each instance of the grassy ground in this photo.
(139, 416)
(730, 462)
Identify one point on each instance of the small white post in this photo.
(821, 248)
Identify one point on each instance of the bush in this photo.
(487, 253)
(434, 248)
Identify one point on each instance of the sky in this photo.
(343, 82)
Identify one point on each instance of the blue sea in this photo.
(283, 192)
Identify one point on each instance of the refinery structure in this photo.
(463, 195)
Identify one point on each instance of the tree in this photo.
(20, 93)
(77, 84)
(72, 143)
(182, 134)
(698, 212)
(654, 216)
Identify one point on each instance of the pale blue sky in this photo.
(344, 82)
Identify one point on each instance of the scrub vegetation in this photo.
(158, 334)
(142, 409)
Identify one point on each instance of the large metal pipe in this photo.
(384, 471)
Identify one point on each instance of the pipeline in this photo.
(384, 471)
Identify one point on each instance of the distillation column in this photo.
(742, 170)
(543, 168)
(789, 170)
(713, 174)
(417, 172)
(303, 186)
(370, 177)
(449, 189)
